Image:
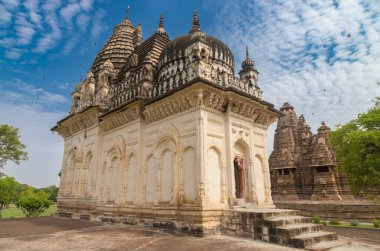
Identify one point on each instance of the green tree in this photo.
(33, 203)
(11, 147)
(8, 191)
(51, 190)
(357, 146)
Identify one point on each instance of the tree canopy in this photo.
(8, 191)
(357, 146)
(11, 148)
(33, 203)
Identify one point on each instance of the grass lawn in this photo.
(348, 225)
(13, 211)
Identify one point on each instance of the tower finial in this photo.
(196, 26)
(127, 12)
(161, 23)
(246, 51)
(161, 29)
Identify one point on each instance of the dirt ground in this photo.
(52, 233)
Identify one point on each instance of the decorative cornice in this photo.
(202, 96)
(77, 122)
(121, 117)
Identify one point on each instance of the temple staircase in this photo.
(280, 226)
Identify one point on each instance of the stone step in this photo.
(308, 239)
(327, 245)
(278, 221)
(292, 230)
(279, 213)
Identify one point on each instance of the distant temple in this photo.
(302, 164)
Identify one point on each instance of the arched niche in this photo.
(166, 150)
(111, 174)
(260, 178)
(150, 179)
(67, 174)
(189, 175)
(213, 175)
(89, 173)
(240, 168)
(131, 178)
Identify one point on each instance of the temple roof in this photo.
(118, 47)
(175, 49)
(150, 50)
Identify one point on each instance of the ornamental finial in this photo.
(161, 23)
(196, 26)
(161, 29)
(246, 51)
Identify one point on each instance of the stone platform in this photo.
(280, 226)
(361, 210)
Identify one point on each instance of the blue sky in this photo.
(321, 56)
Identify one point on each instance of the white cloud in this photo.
(50, 6)
(97, 23)
(13, 54)
(48, 41)
(24, 30)
(23, 93)
(5, 17)
(33, 6)
(11, 4)
(320, 56)
(82, 22)
(7, 42)
(70, 44)
(86, 5)
(69, 12)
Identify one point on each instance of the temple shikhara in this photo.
(162, 133)
(303, 164)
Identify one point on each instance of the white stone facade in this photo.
(192, 145)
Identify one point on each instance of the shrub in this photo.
(354, 223)
(376, 223)
(317, 219)
(334, 222)
(33, 204)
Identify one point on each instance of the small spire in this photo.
(161, 24)
(246, 51)
(161, 28)
(196, 26)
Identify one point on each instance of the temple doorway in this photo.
(239, 177)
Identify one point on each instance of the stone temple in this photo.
(162, 133)
(302, 164)
(304, 174)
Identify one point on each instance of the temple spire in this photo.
(161, 23)
(196, 26)
(161, 28)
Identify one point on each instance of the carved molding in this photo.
(77, 123)
(119, 118)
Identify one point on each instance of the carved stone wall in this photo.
(302, 164)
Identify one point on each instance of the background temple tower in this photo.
(302, 164)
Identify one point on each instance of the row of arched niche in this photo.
(165, 176)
